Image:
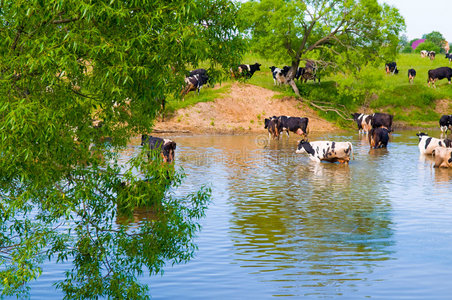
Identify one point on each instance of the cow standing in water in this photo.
(378, 137)
(167, 147)
(363, 122)
(326, 150)
(271, 124)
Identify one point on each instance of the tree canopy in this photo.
(339, 35)
(73, 75)
(435, 38)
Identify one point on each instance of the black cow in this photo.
(194, 82)
(294, 124)
(382, 120)
(248, 70)
(166, 146)
(445, 122)
(271, 124)
(391, 67)
(378, 137)
(411, 75)
(438, 74)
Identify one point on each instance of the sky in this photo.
(425, 16)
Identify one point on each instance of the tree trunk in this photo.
(294, 87)
(291, 76)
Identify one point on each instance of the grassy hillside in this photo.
(373, 91)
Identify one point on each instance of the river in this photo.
(282, 226)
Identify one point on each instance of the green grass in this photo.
(375, 90)
(206, 94)
(410, 103)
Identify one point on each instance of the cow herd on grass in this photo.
(377, 126)
(433, 75)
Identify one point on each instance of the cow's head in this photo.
(421, 134)
(266, 122)
(305, 147)
(144, 139)
(355, 116)
(257, 66)
(272, 68)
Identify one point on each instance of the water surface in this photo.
(280, 225)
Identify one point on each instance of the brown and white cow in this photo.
(443, 157)
(326, 150)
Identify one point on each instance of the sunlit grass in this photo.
(411, 103)
(206, 94)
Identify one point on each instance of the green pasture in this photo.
(372, 91)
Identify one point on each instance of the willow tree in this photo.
(78, 79)
(341, 35)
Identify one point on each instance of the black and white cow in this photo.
(391, 67)
(445, 123)
(247, 71)
(378, 137)
(363, 122)
(427, 144)
(271, 124)
(166, 146)
(411, 75)
(294, 124)
(438, 74)
(424, 53)
(431, 55)
(326, 150)
(279, 76)
(194, 82)
(382, 119)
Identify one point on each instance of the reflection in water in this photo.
(139, 215)
(282, 225)
(304, 221)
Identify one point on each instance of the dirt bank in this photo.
(241, 111)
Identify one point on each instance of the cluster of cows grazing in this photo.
(429, 54)
(433, 75)
(308, 72)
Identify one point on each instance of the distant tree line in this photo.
(434, 41)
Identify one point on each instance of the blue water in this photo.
(280, 225)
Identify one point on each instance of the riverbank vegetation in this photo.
(371, 90)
